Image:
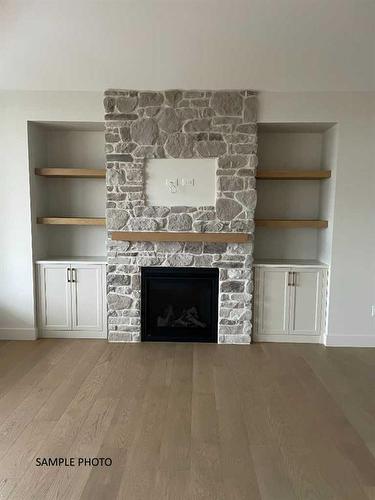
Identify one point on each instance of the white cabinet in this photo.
(306, 293)
(87, 298)
(54, 297)
(289, 303)
(71, 299)
(275, 301)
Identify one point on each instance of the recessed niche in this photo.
(186, 182)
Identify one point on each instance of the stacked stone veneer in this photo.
(180, 124)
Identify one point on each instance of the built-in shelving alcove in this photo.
(67, 182)
(295, 187)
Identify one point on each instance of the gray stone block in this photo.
(247, 128)
(230, 183)
(244, 148)
(136, 282)
(250, 109)
(118, 279)
(141, 246)
(226, 120)
(245, 172)
(227, 103)
(134, 175)
(205, 215)
(242, 226)
(144, 131)
(120, 157)
(193, 94)
(179, 209)
(125, 133)
(152, 111)
(150, 261)
(238, 138)
(116, 219)
(214, 248)
(203, 260)
(247, 198)
(200, 103)
(121, 116)
(180, 260)
(233, 161)
(194, 247)
(143, 224)
(232, 286)
(179, 146)
(173, 97)
(109, 104)
(150, 99)
(126, 104)
(169, 121)
(213, 227)
(118, 302)
(125, 147)
(145, 152)
(155, 212)
(187, 113)
(227, 209)
(116, 177)
(179, 222)
(169, 246)
(211, 149)
(198, 125)
(111, 137)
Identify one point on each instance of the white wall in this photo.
(352, 290)
(353, 237)
(328, 193)
(280, 45)
(16, 268)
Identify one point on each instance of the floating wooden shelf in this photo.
(303, 175)
(72, 221)
(166, 236)
(93, 173)
(291, 223)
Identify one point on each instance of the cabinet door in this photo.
(54, 297)
(273, 301)
(306, 302)
(87, 297)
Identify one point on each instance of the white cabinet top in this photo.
(70, 260)
(289, 263)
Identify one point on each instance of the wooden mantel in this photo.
(172, 236)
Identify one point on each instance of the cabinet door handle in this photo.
(74, 271)
(68, 274)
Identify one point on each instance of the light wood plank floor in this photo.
(184, 421)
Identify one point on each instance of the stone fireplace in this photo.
(144, 125)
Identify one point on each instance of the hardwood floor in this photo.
(184, 421)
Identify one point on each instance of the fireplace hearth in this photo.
(179, 304)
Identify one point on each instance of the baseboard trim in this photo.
(18, 334)
(72, 334)
(350, 340)
(290, 339)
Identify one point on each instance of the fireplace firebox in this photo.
(179, 304)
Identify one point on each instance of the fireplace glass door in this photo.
(179, 304)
